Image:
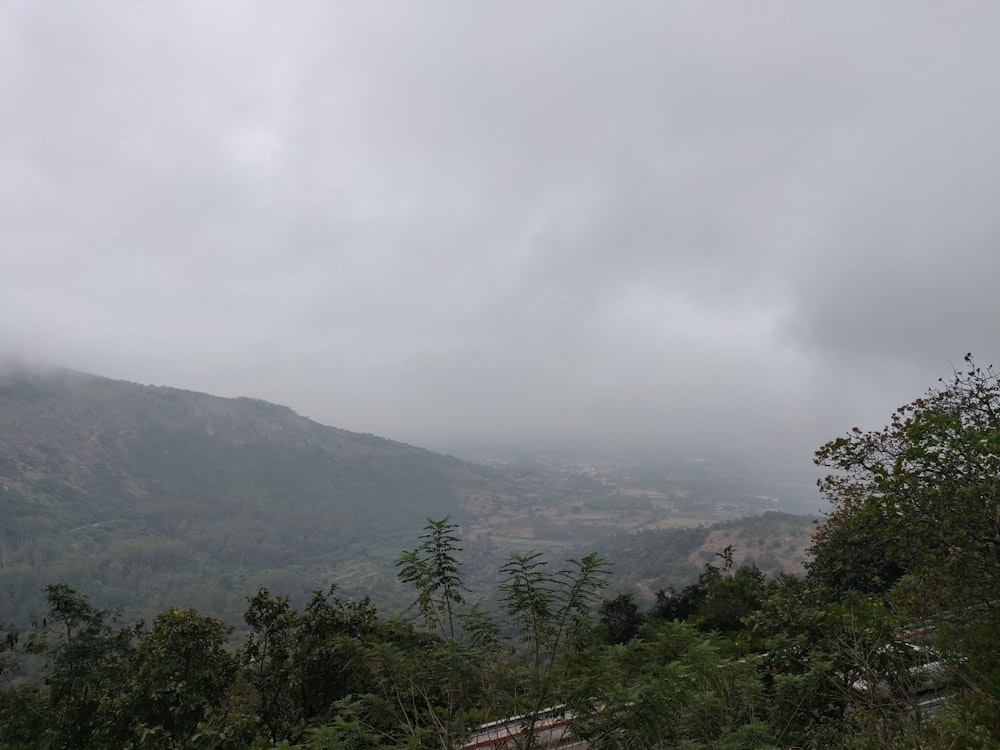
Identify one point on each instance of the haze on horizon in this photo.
(653, 223)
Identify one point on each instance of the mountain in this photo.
(148, 496)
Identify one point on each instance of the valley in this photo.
(148, 497)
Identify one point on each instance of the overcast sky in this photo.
(730, 224)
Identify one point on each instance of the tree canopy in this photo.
(921, 496)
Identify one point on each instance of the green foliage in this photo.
(620, 618)
(550, 608)
(852, 553)
(143, 497)
(440, 681)
(120, 686)
(299, 664)
(86, 656)
(25, 718)
(674, 687)
(8, 651)
(464, 673)
(178, 669)
(916, 521)
(433, 569)
(551, 612)
(837, 659)
(268, 662)
(917, 518)
(721, 599)
(927, 487)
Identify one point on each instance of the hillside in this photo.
(149, 496)
(146, 497)
(647, 561)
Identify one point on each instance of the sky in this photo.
(731, 226)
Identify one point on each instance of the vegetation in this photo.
(887, 640)
(145, 498)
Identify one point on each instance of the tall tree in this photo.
(552, 612)
(437, 682)
(432, 568)
(86, 654)
(926, 490)
(268, 662)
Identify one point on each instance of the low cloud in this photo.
(656, 222)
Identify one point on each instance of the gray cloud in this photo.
(723, 226)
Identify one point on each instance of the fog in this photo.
(733, 227)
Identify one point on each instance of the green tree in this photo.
(443, 685)
(85, 657)
(720, 600)
(620, 618)
(440, 684)
(816, 646)
(552, 612)
(179, 673)
(919, 500)
(268, 663)
(329, 662)
(299, 665)
(851, 553)
(927, 488)
(433, 569)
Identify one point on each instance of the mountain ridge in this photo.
(175, 469)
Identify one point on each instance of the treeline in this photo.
(888, 640)
(731, 661)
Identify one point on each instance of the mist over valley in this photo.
(146, 497)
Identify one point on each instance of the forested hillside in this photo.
(149, 496)
(887, 640)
